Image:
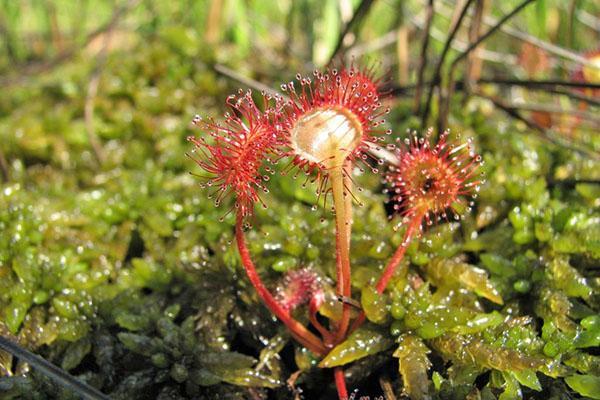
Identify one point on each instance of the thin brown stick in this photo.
(58, 375)
(542, 133)
(530, 84)
(494, 56)
(244, 80)
(554, 109)
(541, 83)
(386, 387)
(444, 102)
(574, 95)
(492, 30)
(4, 167)
(526, 37)
(402, 49)
(456, 11)
(474, 62)
(211, 33)
(361, 12)
(423, 57)
(588, 20)
(401, 91)
(438, 68)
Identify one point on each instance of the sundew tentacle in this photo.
(236, 153)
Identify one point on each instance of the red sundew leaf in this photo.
(432, 180)
(236, 152)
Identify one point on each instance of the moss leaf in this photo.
(413, 366)
(585, 385)
(362, 343)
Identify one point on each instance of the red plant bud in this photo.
(297, 288)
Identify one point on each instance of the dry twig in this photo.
(438, 68)
(386, 386)
(423, 57)
(3, 167)
(244, 80)
(444, 101)
(544, 134)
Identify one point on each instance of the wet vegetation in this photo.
(116, 267)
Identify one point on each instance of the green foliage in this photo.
(413, 366)
(121, 272)
(361, 343)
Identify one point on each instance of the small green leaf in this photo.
(569, 279)
(413, 366)
(374, 304)
(585, 385)
(528, 378)
(137, 343)
(362, 343)
(480, 322)
(246, 377)
(452, 274)
(512, 389)
(75, 353)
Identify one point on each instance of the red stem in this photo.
(299, 331)
(388, 272)
(340, 383)
(342, 204)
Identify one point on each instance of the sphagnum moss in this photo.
(125, 276)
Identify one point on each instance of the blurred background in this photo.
(66, 62)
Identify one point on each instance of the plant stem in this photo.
(438, 67)
(423, 57)
(342, 239)
(444, 100)
(411, 231)
(359, 14)
(299, 331)
(340, 383)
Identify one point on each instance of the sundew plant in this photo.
(324, 130)
(414, 215)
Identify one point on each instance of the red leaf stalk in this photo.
(299, 331)
(340, 383)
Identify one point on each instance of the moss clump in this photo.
(121, 272)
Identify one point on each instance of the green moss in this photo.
(123, 273)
